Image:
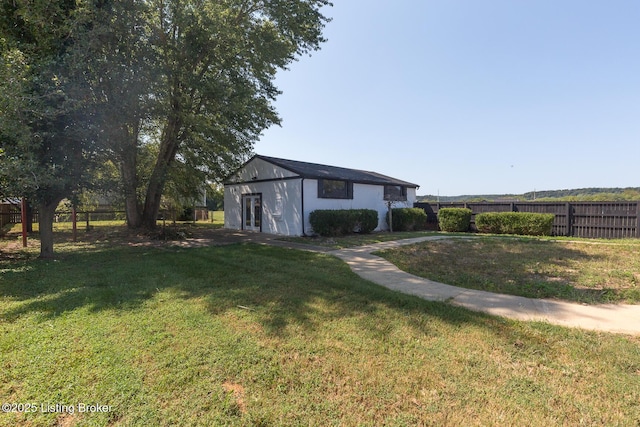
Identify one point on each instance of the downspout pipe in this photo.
(302, 205)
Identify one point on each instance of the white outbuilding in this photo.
(275, 196)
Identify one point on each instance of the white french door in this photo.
(252, 212)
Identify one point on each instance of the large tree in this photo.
(46, 131)
(193, 79)
(158, 85)
(121, 66)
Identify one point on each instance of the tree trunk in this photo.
(127, 160)
(46, 213)
(153, 199)
(169, 144)
(128, 171)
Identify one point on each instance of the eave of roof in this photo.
(318, 171)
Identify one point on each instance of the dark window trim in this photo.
(348, 193)
(388, 196)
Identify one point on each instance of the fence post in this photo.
(569, 220)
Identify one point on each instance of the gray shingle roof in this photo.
(317, 171)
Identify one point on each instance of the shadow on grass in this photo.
(281, 287)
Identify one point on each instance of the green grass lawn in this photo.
(588, 271)
(255, 335)
(353, 240)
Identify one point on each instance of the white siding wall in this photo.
(365, 196)
(281, 202)
(258, 169)
(280, 206)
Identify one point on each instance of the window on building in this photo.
(335, 189)
(395, 192)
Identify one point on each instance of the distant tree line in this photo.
(574, 195)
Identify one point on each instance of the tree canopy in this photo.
(47, 139)
(160, 88)
(192, 78)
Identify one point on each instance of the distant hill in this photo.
(574, 195)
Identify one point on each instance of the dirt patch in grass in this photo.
(237, 392)
(574, 271)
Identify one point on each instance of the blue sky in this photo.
(468, 96)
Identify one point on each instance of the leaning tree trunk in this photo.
(169, 144)
(152, 201)
(46, 214)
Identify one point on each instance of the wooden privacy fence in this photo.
(5, 218)
(8, 214)
(605, 220)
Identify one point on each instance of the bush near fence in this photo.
(607, 220)
(454, 219)
(408, 219)
(327, 222)
(521, 223)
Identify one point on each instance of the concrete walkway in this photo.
(607, 317)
